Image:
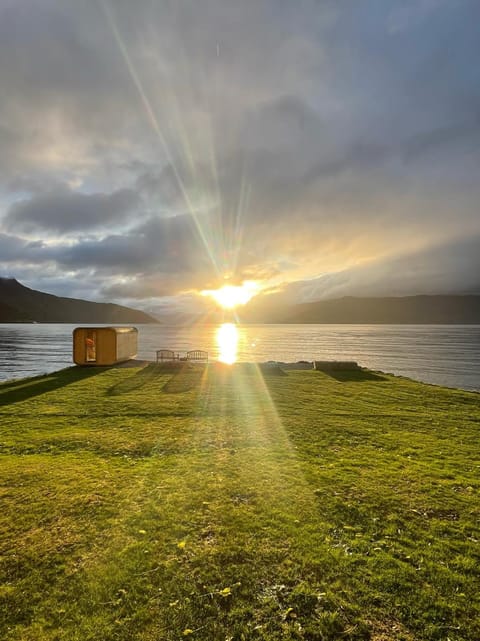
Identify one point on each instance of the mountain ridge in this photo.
(19, 303)
(441, 309)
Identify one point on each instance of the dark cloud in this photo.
(161, 256)
(168, 245)
(65, 211)
(13, 249)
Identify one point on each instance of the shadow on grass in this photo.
(268, 369)
(28, 388)
(354, 375)
(185, 378)
(137, 380)
(252, 369)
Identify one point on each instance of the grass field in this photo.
(221, 504)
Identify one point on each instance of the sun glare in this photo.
(227, 341)
(230, 296)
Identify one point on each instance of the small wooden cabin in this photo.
(104, 345)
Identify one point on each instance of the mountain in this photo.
(9, 314)
(21, 304)
(415, 310)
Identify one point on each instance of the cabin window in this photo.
(91, 346)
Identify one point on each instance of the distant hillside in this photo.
(21, 304)
(415, 310)
(9, 314)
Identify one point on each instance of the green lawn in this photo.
(220, 504)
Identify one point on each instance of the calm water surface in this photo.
(440, 354)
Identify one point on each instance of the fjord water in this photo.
(440, 354)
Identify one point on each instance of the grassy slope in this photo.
(141, 504)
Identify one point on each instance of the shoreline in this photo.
(264, 366)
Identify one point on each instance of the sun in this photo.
(230, 296)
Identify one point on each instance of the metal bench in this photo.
(164, 355)
(197, 355)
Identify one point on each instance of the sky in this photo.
(151, 150)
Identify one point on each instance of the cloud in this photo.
(64, 211)
(14, 248)
(438, 270)
(156, 148)
(410, 13)
(157, 257)
(445, 139)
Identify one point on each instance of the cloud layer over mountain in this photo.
(149, 150)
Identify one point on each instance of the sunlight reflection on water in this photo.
(227, 342)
